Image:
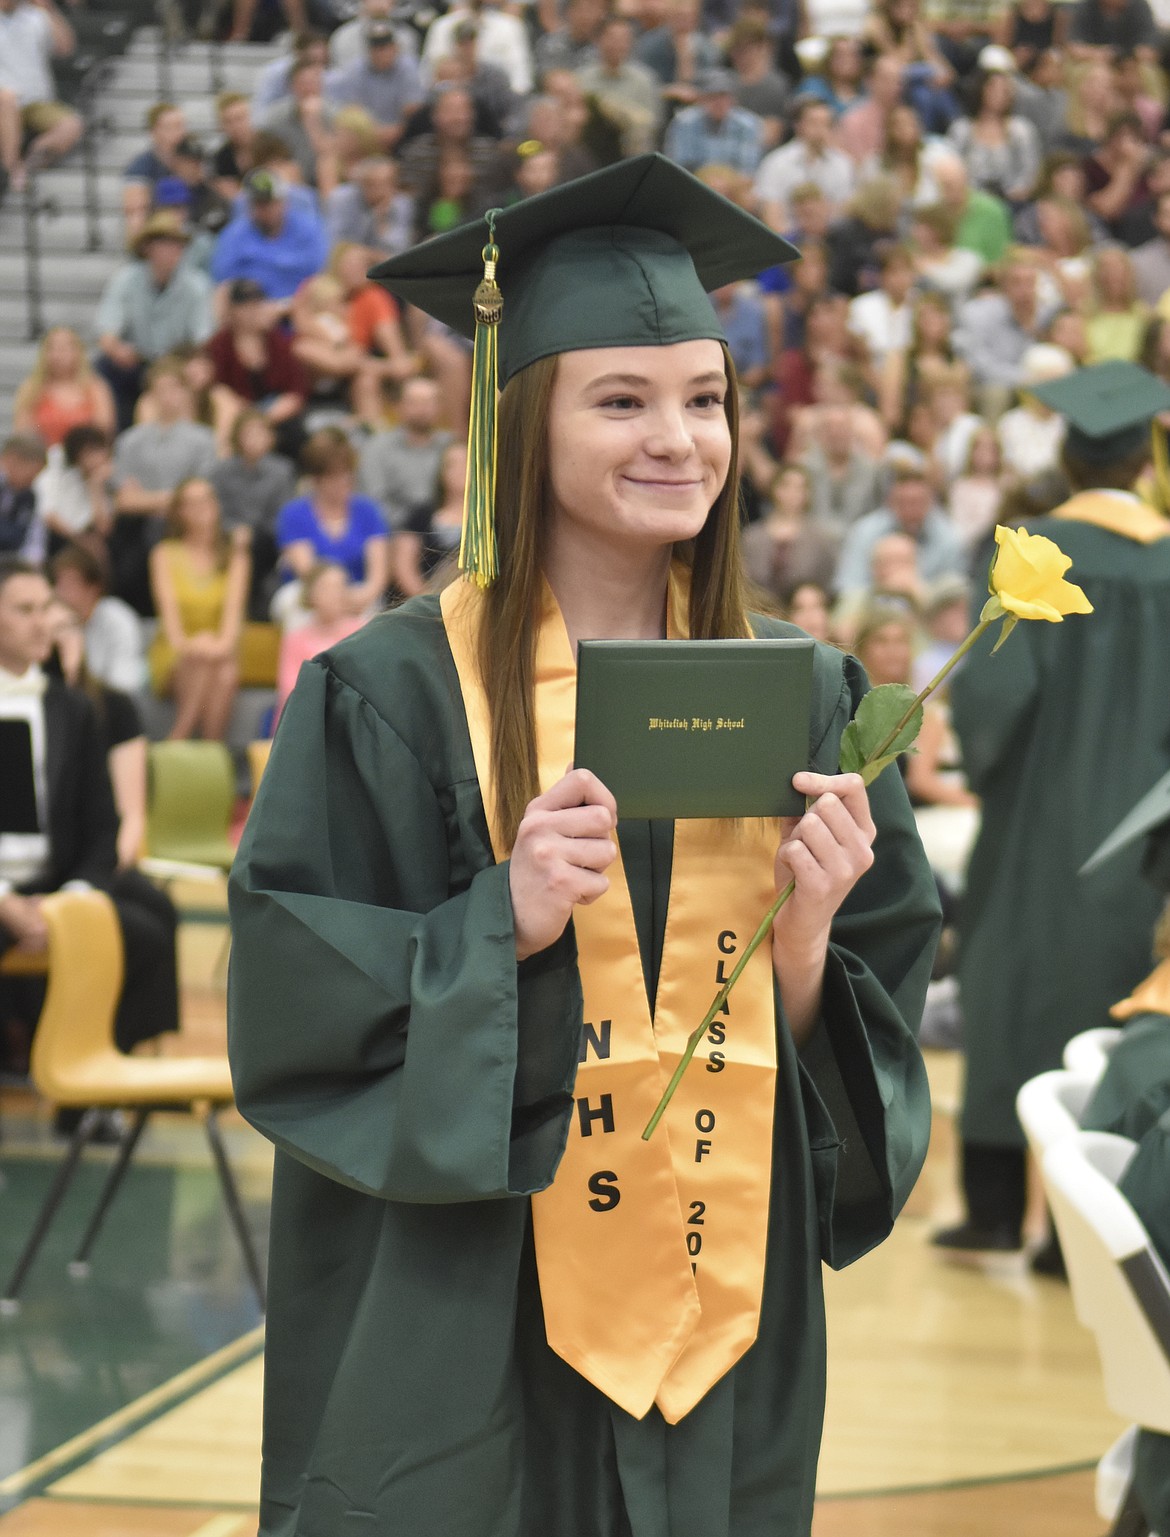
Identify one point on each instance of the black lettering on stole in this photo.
(604, 1185)
(598, 1040)
(603, 1112)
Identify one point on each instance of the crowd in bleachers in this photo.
(980, 193)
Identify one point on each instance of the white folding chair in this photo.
(1089, 1052)
(1049, 1106)
(1120, 1287)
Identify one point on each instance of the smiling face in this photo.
(639, 443)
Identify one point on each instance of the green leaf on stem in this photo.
(878, 714)
(1009, 625)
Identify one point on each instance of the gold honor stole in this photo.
(1119, 514)
(651, 1254)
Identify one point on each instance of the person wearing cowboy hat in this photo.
(153, 304)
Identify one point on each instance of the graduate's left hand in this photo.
(826, 852)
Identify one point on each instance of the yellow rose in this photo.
(1027, 576)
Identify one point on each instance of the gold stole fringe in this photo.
(651, 1254)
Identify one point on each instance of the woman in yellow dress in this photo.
(199, 577)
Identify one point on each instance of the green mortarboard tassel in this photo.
(478, 559)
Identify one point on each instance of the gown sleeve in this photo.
(379, 1027)
(866, 1096)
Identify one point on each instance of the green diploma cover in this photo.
(696, 728)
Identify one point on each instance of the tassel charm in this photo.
(478, 558)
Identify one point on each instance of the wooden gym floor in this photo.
(961, 1401)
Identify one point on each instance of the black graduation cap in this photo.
(624, 257)
(1149, 819)
(1108, 408)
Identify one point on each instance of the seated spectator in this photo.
(150, 460)
(995, 329)
(1116, 318)
(906, 156)
(1000, 149)
(233, 159)
(274, 240)
(1140, 91)
(1123, 26)
(305, 122)
(75, 489)
(1093, 101)
(1042, 94)
(741, 314)
(190, 193)
(881, 318)
(255, 364)
(760, 87)
(62, 391)
(942, 267)
(199, 578)
(573, 43)
(953, 423)
(906, 375)
(861, 129)
(844, 480)
(809, 606)
(946, 623)
(838, 79)
(897, 30)
(272, 83)
(252, 485)
(349, 41)
(149, 307)
(82, 821)
(715, 131)
(431, 532)
(1116, 175)
(786, 548)
(1031, 434)
(325, 590)
(534, 169)
(166, 124)
(22, 533)
(808, 157)
(1063, 239)
(333, 523)
(400, 467)
(497, 106)
(386, 82)
(452, 138)
(1033, 28)
(626, 92)
(976, 495)
(370, 211)
(208, 408)
(31, 36)
(558, 125)
(855, 241)
(112, 630)
(983, 224)
(355, 138)
(838, 384)
(503, 41)
(1151, 259)
(679, 53)
(909, 510)
(372, 317)
(341, 373)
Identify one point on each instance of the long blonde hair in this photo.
(33, 386)
(507, 642)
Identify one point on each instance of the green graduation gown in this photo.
(418, 1084)
(1146, 1185)
(1134, 1090)
(1062, 732)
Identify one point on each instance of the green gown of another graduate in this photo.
(1062, 732)
(417, 1084)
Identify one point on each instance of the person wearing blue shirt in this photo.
(275, 240)
(745, 324)
(715, 131)
(909, 510)
(333, 523)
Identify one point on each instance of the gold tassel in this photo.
(1161, 456)
(478, 559)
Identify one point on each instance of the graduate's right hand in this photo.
(564, 845)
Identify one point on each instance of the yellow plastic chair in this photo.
(258, 755)
(76, 1065)
(192, 795)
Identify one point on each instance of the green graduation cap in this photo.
(1149, 819)
(1108, 407)
(624, 257)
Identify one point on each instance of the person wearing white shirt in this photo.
(807, 157)
(882, 318)
(503, 41)
(114, 652)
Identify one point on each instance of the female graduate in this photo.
(458, 982)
